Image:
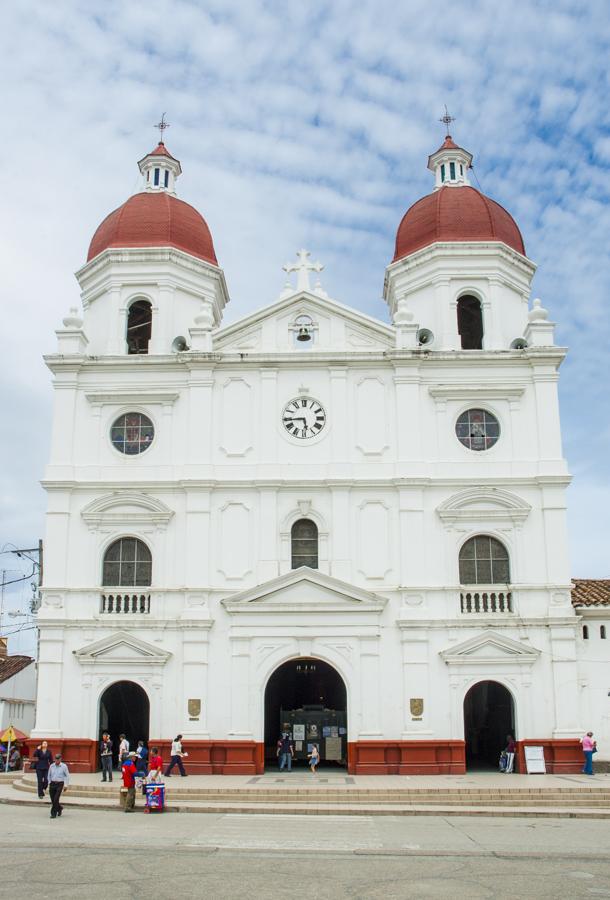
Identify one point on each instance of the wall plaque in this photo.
(194, 708)
(417, 707)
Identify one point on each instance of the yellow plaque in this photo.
(417, 706)
(194, 708)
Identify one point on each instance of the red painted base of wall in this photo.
(363, 757)
(406, 758)
(218, 757)
(562, 757)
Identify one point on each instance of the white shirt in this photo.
(123, 747)
(176, 748)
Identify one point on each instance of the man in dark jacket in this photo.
(42, 760)
(106, 756)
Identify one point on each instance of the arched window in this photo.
(602, 632)
(484, 560)
(585, 632)
(470, 323)
(139, 327)
(304, 544)
(127, 563)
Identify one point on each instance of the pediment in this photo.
(490, 648)
(304, 590)
(475, 504)
(126, 508)
(337, 327)
(122, 648)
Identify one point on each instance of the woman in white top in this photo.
(123, 749)
(177, 755)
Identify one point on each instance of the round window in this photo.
(132, 433)
(477, 429)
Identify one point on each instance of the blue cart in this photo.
(155, 797)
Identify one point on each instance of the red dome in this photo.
(455, 214)
(155, 220)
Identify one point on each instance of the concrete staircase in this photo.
(578, 801)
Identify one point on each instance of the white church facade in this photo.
(311, 516)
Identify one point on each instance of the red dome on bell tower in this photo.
(454, 211)
(155, 217)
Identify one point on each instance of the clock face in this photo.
(303, 418)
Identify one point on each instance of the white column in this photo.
(340, 528)
(200, 422)
(269, 549)
(49, 694)
(565, 681)
(370, 699)
(161, 337)
(416, 682)
(195, 681)
(240, 688)
(341, 449)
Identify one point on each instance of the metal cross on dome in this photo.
(303, 267)
(162, 125)
(447, 119)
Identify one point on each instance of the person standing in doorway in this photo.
(589, 747)
(141, 757)
(510, 754)
(177, 754)
(59, 779)
(123, 749)
(106, 756)
(285, 750)
(129, 771)
(314, 758)
(43, 759)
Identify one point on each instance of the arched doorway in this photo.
(489, 715)
(309, 697)
(124, 709)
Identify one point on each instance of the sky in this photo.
(302, 124)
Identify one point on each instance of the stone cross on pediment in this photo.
(303, 267)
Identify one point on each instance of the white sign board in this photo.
(534, 761)
(298, 732)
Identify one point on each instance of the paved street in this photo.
(95, 854)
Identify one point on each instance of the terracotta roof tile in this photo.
(455, 214)
(155, 220)
(10, 665)
(591, 592)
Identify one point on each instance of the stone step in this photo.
(258, 797)
(344, 809)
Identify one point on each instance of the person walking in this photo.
(511, 746)
(43, 759)
(106, 756)
(177, 755)
(123, 749)
(129, 772)
(589, 747)
(285, 751)
(59, 779)
(314, 758)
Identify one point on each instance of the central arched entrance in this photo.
(308, 698)
(489, 716)
(124, 709)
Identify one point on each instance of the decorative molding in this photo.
(467, 506)
(122, 649)
(476, 392)
(137, 398)
(490, 649)
(328, 594)
(109, 510)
